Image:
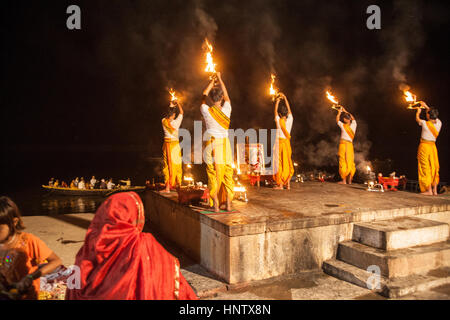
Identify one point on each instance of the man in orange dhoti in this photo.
(218, 155)
(427, 155)
(283, 166)
(346, 154)
(172, 169)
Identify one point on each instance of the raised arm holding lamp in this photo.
(347, 167)
(283, 165)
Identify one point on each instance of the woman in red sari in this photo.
(119, 262)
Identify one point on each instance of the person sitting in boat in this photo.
(103, 184)
(81, 184)
(64, 184)
(127, 182)
(51, 182)
(93, 182)
(110, 185)
(56, 184)
(76, 182)
(72, 184)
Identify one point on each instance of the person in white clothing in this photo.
(172, 169)
(283, 165)
(171, 134)
(427, 154)
(93, 182)
(347, 124)
(110, 185)
(218, 154)
(81, 184)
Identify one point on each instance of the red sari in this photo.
(119, 262)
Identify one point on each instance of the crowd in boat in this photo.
(81, 183)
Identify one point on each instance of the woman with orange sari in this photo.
(120, 262)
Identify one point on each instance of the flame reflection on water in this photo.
(64, 205)
(36, 203)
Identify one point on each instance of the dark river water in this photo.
(36, 203)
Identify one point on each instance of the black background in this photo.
(89, 101)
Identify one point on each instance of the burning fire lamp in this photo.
(412, 100)
(240, 192)
(210, 65)
(190, 180)
(173, 97)
(372, 184)
(370, 174)
(236, 168)
(298, 178)
(274, 93)
(333, 99)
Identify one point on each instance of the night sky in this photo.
(90, 101)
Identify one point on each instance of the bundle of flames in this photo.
(274, 93)
(189, 180)
(412, 100)
(210, 65)
(240, 192)
(173, 97)
(336, 105)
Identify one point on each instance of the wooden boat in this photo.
(90, 192)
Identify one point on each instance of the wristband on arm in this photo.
(35, 275)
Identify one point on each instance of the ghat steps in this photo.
(411, 255)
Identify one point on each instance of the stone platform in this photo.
(281, 232)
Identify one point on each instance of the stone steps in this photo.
(411, 255)
(396, 263)
(399, 287)
(390, 288)
(350, 273)
(400, 233)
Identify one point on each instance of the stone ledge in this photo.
(271, 212)
(400, 233)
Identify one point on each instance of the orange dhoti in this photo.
(428, 163)
(219, 169)
(283, 166)
(172, 169)
(346, 159)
